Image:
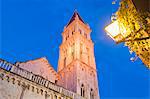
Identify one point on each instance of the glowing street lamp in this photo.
(118, 33)
(131, 25)
(115, 31)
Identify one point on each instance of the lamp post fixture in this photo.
(114, 31)
(132, 26)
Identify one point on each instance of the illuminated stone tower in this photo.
(76, 65)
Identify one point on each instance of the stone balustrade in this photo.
(37, 79)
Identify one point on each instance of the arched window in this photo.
(72, 51)
(82, 90)
(81, 52)
(91, 94)
(80, 31)
(85, 35)
(65, 62)
(66, 37)
(87, 54)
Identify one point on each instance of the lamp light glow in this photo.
(115, 31)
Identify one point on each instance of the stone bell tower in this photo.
(76, 65)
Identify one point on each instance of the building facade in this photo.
(76, 65)
(76, 77)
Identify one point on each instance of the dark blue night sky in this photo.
(32, 29)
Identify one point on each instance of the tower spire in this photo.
(76, 65)
(74, 16)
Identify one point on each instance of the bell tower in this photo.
(76, 65)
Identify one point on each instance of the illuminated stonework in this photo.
(76, 65)
(36, 79)
(18, 83)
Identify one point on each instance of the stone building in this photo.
(76, 77)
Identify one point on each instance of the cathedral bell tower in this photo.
(76, 65)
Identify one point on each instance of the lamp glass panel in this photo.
(113, 29)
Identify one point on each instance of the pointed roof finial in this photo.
(75, 11)
(74, 16)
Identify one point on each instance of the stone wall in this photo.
(16, 83)
(41, 67)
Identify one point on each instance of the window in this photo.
(85, 35)
(82, 69)
(91, 94)
(80, 31)
(55, 81)
(82, 90)
(68, 35)
(72, 51)
(65, 62)
(81, 45)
